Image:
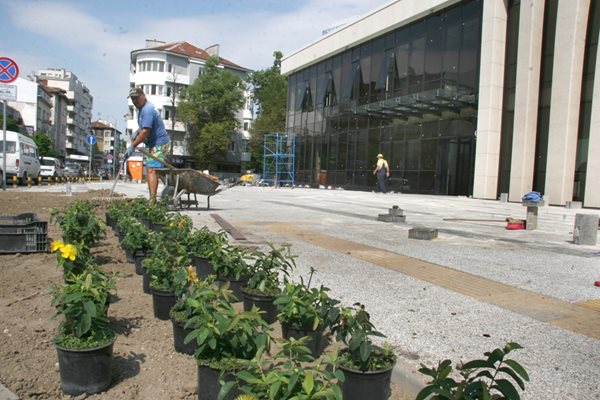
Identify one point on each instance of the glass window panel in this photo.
(428, 154)
(413, 151)
(416, 62)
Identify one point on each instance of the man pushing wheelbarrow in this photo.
(153, 134)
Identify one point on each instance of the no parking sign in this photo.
(9, 70)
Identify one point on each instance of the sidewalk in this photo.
(471, 290)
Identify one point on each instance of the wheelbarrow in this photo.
(185, 181)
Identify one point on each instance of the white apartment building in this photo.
(26, 104)
(79, 107)
(162, 69)
(58, 116)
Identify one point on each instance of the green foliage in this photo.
(166, 258)
(306, 308)
(481, 378)
(289, 374)
(355, 331)
(264, 273)
(137, 236)
(79, 223)
(83, 302)
(11, 124)
(72, 258)
(189, 290)
(270, 95)
(177, 228)
(220, 331)
(206, 243)
(209, 106)
(230, 263)
(45, 145)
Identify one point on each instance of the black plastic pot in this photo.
(209, 386)
(109, 220)
(264, 303)
(203, 267)
(156, 227)
(85, 370)
(162, 302)
(129, 255)
(147, 223)
(146, 282)
(138, 257)
(179, 334)
(372, 385)
(234, 286)
(315, 344)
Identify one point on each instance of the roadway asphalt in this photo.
(474, 288)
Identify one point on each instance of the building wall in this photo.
(27, 102)
(159, 73)
(535, 107)
(79, 107)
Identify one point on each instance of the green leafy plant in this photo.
(72, 258)
(137, 237)
(355, 331)
(306, 308)
(264, 274)
(79, 223)
(289, 374)
(206, 243)
(481, 378)
(220, 332)
(177, 227)
(83, 302)
(231, 263)
(166, 258)
(189, 290)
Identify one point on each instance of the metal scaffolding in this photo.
(279, 158)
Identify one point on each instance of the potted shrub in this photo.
(137, 241)
(222, 336)
(205, 245)
(264, 279)
(367, 368)
(232, 268)
(84, 343)
(188, 291)
(306, 312)
(481, 379)
(79, 223)
(291, 373)
(160, 267)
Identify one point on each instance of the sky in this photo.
(94, 38)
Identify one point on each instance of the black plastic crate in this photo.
(23, 233)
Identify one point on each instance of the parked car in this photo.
(103, 173)
(73, 170)
(21, 157)
(52, 167)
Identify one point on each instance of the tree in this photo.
(270, 95)
(11, 123)
(209, 107)
(45, 146)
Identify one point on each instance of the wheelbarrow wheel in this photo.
(167, 195)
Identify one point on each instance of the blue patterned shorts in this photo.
(159, 152)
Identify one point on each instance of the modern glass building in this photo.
(461, 97)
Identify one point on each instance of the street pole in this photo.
(115, 141)
(4, 147)
(90, 162)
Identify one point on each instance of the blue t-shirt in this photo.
(149, 117)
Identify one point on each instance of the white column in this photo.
(592, 180)
(529, 55)
(569, 49)
(491, 90)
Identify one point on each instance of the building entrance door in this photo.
(454, 169)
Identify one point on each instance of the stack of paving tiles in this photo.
(394, 214)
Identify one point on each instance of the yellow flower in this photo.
(191, 273)
(57, 244)
(68, 251)
(245, 397)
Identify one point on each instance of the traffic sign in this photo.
(8, 92)
(9, 70)
(109, 157)
(91, 140)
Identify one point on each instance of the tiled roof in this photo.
(100, 125)
(189, 50)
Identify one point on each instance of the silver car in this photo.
(73, 170)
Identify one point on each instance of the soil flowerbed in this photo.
(145, 363)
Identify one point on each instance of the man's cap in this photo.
(135, 92)
(379, 155)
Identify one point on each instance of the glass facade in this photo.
(410, 94)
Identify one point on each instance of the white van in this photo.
(51, 167)
(21, 157)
